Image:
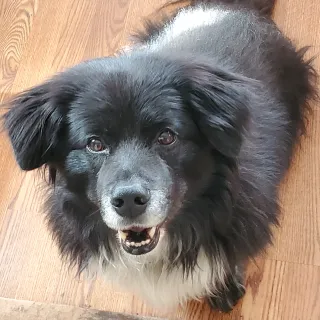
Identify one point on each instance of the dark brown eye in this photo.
(95, 145)
(166, 137)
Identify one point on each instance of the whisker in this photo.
(93, 213)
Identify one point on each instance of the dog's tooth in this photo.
(137, 244)
(123, 235)
(152, 232)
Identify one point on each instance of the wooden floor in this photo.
(40, 37)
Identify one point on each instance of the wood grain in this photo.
(16, 309)
(39, 38)
(16, 20)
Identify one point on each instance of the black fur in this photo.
(230, 293)
(237, 96)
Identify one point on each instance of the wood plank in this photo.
(107, 28)
(29, 310)
(282, 290)
(139, 11)
(297, 240)
(16, 21)
(67, 32)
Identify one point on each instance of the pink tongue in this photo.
(136, 229)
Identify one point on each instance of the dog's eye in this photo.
(95, 145)
(166, 137)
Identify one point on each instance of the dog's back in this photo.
(241, 36)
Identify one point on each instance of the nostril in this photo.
(140, 200)
(117, 202)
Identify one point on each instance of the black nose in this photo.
(130, 201)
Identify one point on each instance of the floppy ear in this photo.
(219, 102)
(34, 124)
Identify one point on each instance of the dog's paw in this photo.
(228, 295)
(225, 301)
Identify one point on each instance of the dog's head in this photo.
(135, 139)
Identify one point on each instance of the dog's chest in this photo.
(161, 288)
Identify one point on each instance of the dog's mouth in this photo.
(139, 241)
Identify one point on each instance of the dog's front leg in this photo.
(227, 295)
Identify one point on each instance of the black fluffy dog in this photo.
(166, 161)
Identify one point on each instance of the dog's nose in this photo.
(130, 201)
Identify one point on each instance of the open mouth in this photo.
(139, 241)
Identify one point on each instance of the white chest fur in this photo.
(158, 287)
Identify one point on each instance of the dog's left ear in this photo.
(219, 101)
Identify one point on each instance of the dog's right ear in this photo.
(35, 123)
